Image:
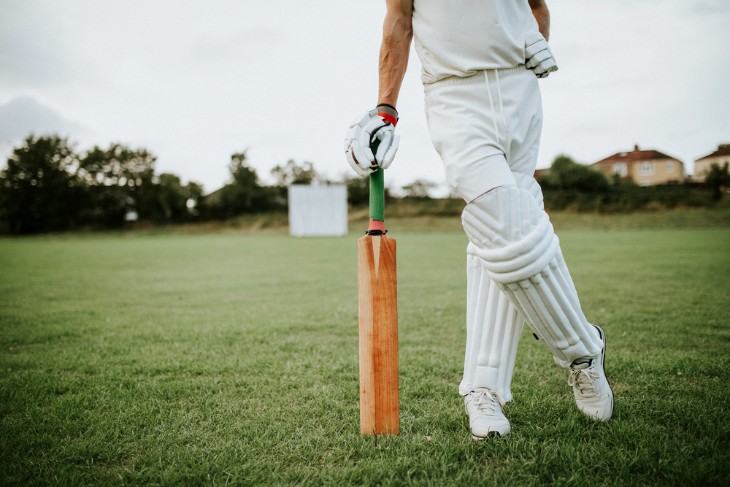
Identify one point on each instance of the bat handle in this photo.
(377, 203)
(377, 198)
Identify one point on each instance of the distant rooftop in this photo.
(636, 155)
(722, 150)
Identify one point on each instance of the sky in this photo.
(196, 81)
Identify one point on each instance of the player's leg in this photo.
(518, 246)
(523, 115)
(493, 329)
(471, 144)
(493, 332)
(475, 133)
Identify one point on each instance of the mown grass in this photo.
(231, 358)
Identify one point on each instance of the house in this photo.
(644, 167)
(703, 165)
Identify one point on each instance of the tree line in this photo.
(47, 186)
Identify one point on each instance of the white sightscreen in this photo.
(317, 210)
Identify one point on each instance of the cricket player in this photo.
(481, 61)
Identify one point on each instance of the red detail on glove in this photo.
(389, 118)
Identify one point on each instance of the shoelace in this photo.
(486, 402)
(583, 380)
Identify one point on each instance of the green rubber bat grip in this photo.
(377, 196)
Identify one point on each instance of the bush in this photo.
(625, 198)
(566, 174)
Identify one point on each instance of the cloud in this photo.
(23, 116)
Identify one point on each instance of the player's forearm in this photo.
(542, 15)
(394, 50)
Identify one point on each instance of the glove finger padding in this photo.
(365, 152)
(534, 43)
(360, 137)
(387, 148)
(353, 162)
(545, 68)
(357, 144)
(538, 55)
(541, 59)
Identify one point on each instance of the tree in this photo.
(245, 185)
(718, 178)
(291, 173)
(358, 191)
(243, 194)
(171, 201)
(118, 180)
(117, 166)
(567, 174)
(419, 188)
(195, 198)
(38, 188)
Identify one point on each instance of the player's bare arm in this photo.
(376, 128)
(542, 15)
(397, 36)
(538, 56)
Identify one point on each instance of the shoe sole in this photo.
(491, 434)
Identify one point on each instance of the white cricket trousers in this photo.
(486, 128)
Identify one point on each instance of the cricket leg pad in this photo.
(493, 330)
(529, 183)
(516, 242)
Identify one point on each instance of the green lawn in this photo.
(231, 358)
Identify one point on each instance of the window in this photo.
(670, 167)
(646, 168)
(621, 169)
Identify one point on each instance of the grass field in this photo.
(231, 358)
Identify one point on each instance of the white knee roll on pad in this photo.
(512, 233)
(517, 244)
(494, 328)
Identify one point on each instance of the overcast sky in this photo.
(195, 81)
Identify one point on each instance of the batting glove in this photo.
(538, 56)
(376, 125)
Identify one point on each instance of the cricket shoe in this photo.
(593, 394)
(485, 414)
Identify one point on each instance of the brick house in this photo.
(702, 165)
(644, 167)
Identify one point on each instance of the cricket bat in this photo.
(378, 321)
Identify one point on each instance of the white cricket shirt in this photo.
(461, 37)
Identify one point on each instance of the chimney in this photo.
(636, 147)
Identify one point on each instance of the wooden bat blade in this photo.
(378, 334)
